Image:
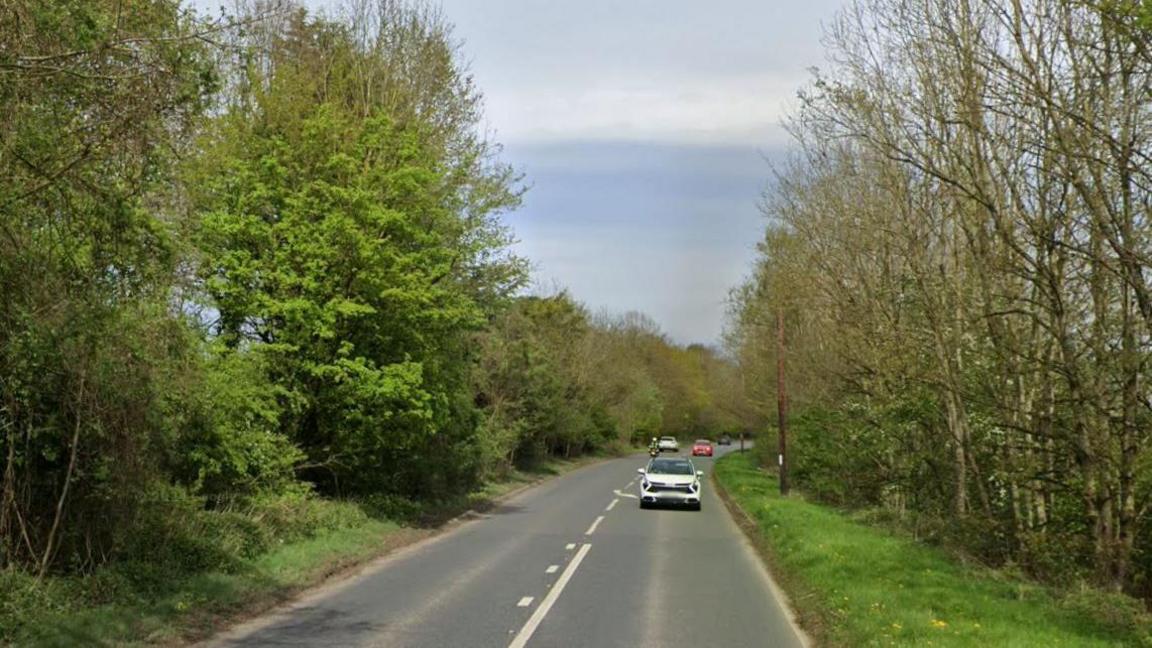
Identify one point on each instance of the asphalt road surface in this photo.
(572, 562)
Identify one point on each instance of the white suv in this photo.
(668, 444)
(670, 480)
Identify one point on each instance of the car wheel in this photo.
(696, 507)
(643, 504)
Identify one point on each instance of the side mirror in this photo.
(699, 473)
(640, 470)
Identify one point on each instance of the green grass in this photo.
(856, 585)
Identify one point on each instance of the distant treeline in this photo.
(260, 255)
(960, 251)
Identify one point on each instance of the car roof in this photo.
(703, 441)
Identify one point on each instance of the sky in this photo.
(645, 131)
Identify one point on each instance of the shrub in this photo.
(20, 593)
(1116, 612)
(393, 507)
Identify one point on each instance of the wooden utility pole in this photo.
(744, 394)
(781, 404)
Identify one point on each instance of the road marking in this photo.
(570, 546)
(612, 505)
(552, 569)
(592, 529)
(525, 634)
(526, 601)
(628, 495)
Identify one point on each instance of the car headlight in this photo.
(695, 486)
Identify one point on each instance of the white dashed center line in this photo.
(521, 639)
(526, 601)
(570, 546)
(552, 569)
(612, 505)
(592, 529)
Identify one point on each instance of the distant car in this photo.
(668, 444)
(724, 440)
(672, 481)
(702, 448)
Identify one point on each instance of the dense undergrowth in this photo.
(185, 560)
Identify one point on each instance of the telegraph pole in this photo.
(744, 393)
(781, 404)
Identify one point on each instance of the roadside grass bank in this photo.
(206, 569)
(857, 585)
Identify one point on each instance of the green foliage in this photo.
(232, 443)
(93, 97)
(553, 381)
(351, 245)
(968, 308)
(530, 379)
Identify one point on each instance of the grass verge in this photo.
(166, 603)
(856, 585)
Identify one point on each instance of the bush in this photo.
(21, 592)
(177, 533)
(173, 532)
(232, 441)
(293, 517)
(393, 507)
(1115, 612)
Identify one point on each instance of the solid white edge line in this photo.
(592, 529)
(612, 505)
(552, 569)
(525, 633)
(526, 601)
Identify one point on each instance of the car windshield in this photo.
(670, 467)
(667, 438)
(703, 442)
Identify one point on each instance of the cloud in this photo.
(681, 71)
(747, 111)
(660, 228)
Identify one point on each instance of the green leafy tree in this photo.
(94, 96)
(349, 237)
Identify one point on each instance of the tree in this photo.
(973, 195)
(346, 220)
(94, 97)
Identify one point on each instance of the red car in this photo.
(702, 448)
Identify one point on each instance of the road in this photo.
(572, 562)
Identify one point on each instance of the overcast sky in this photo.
(642, 128)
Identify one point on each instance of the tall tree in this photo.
(94, 97)
(347, 220)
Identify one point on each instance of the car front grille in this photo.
(669, 487)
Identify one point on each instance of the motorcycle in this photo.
(653, 451)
